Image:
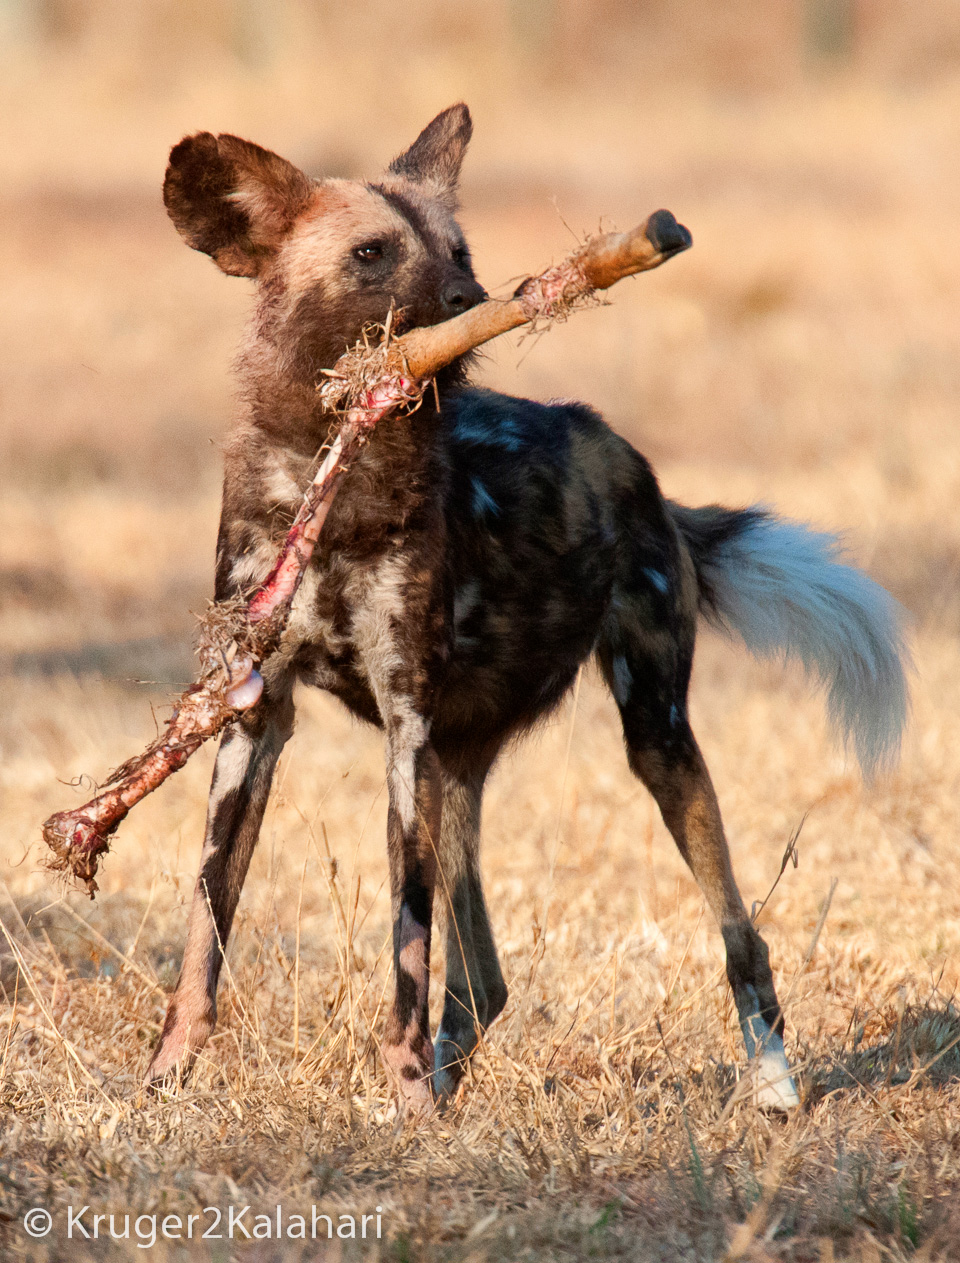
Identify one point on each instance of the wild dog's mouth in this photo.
(455, 300)
(399, 319)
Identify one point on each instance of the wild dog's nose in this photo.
(462, 293)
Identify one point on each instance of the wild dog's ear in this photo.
(435, 157)
(232, 200)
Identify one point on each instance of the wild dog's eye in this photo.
(369, 252)
(461, 256)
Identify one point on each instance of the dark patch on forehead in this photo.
(411, 213)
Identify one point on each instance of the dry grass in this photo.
(803, 353)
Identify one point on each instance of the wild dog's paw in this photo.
(411, 1071)
(167, 1077)
(180, 1044)
(774, 1087)
(451, 1054)
(773, 1084)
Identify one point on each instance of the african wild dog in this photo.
(482, 549)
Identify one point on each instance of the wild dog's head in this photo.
(330, 255)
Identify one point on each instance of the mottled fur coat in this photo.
(480, 550)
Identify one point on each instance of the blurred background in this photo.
(810, 145)
(806, 353)
(806, 350)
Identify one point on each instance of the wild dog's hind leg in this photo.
(238, 796)
(648, 676)
(679, 781)
(475, 989)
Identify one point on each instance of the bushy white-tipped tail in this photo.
(785, 590)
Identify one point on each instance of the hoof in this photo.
(666, 235)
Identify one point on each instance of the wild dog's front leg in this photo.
(413, 834)
(475, 989)
(238, 796)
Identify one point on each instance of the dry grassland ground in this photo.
(804, 353)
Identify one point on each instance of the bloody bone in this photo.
(366, 385)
